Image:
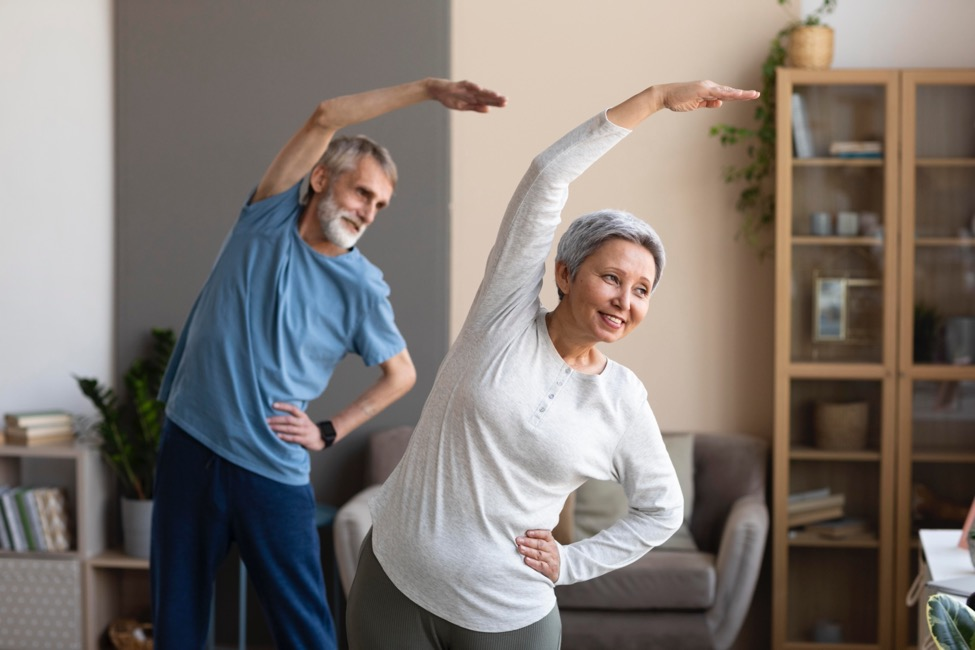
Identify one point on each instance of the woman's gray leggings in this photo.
(380, 616)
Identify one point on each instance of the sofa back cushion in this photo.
(727, 466)
(599, 504)
(386, 448)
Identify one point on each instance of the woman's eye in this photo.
(609, 277)
(642, 292)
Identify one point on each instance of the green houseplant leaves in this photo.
(130, 428)
(756, 177)
(952, 623)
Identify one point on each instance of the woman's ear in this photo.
(562, 279)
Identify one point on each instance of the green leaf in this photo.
(131, 428)
(952, 623)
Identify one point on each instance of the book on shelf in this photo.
(39, 430)
(34, 519)
(817, 503)
(856, 149)
(813, 516)
(53, 509)
(31, 520)
(841, 528)
(5, 542)
(801, 133)
(808, 494)
(37, 418)
(11, 515)
(31, 441)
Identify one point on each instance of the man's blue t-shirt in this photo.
(272, 321)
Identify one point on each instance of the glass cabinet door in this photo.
(939, 207)
(842, 210)
(936, 393)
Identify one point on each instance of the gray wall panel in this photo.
(207, 92)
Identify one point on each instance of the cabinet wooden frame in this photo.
(923, 181)
(866, 608)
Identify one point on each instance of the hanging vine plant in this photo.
(756, 200)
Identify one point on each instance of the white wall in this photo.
(901, 33)
(56, 219)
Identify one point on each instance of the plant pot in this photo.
(136, 527)
(811, 47)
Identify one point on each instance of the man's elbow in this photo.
(404, 378)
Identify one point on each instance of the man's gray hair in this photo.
(590, 231)
(343, 154)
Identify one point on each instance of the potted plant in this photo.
(951, 623)
(129, 429)
(756, 200)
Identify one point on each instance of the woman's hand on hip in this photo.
(541, 552)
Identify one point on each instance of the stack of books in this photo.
(34, 519)
(38, 427)
(856, 149)
(815, 506)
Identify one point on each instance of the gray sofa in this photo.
(669, 599)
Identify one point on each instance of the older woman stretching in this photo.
(525, 409)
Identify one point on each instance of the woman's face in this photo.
(610, 293)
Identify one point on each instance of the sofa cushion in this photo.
(599, 504)
(656, 581)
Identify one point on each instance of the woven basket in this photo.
(841, 427)
(129, 634)
(811, 47)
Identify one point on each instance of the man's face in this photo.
(351, 202)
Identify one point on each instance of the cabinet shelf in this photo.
(838, 162)
(812, 454)
(806, 539)
(115, 559)
(829, 240)
(833, 370)
(830, 646)
(946, 162)
(945, 457)
(945, 242)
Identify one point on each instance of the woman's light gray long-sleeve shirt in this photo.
(509, 430)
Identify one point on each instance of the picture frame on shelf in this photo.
(845, 310)
(829, 309)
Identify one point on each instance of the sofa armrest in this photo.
(352, 523)
(738, 564)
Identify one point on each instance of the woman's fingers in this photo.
(541, 552)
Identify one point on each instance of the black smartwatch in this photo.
(328, 432)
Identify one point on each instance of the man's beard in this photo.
(333, 222)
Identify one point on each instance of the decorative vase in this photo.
(811, 47)
(136, 527)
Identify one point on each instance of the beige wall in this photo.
(705, 349)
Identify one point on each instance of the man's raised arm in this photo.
(307, 145)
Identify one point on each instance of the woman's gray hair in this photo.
(343, 154)
(590, 231)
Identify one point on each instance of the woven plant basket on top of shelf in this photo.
(129, 634)
(841, 426)
(811, 47)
